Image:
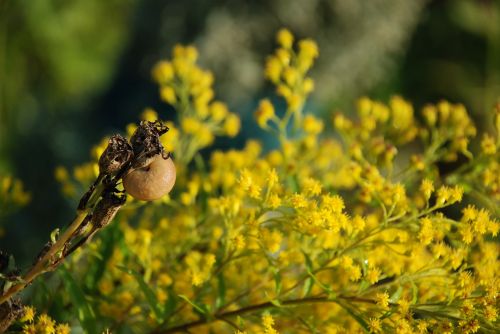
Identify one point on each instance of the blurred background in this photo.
(72, 72)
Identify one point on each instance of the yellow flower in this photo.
(308, 51)
(264, 113)
(373, 275)
(374, 325)
(427, 187)
(163, 72)
(167, 94)
(149, 115)
(426, 233)
(382, 299)
(45, 324)
(311, 186)
(218, 110)
(63, 329)
(232, 125)
(191, 125)
(284, 38)
(61, 174)
(298, 201)
(28, 314)
(268, 323)
(273, 69)
(274, 201)
(308, 85)
(291, 76)
(312, 125)
(488, 145)
(402, 113)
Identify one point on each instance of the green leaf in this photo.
(85, 312)
(317, 281)
(276, 302)
(309, 264)
(202, 309)
(277, 282)
(356, 316)
(155, 306)
(221, 289)
(293, 184)
(170, 304)
(270, 215)
(240, 322)
(308, 284)
(364, 285)
(96, 271)
(273, 301)
(396, 295)
(54, 235)
(414, 290)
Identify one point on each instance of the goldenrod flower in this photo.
(264, 113)
(382, 299)
(284, 38)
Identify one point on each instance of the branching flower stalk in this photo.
(99, 204)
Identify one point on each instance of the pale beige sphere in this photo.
(152, 181)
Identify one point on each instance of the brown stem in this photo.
(257, 307)
(39, 267)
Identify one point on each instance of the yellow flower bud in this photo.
(284, 38)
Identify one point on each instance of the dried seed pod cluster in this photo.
(148, 171)
(152, 173)
(115, 156)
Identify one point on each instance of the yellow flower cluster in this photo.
(41, 324)
(188, 88)
(287, 69)
(318, 235)
(12, 194)
(448, 124)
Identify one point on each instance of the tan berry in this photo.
(152, 181)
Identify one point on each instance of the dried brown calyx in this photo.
(116, 155)
(146, 142)
(9, 312)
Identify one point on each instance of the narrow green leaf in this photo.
(277, 282)
(309, 264)
(308, 284)
(170, 304)
(414, 290)
(293, 184)
(200, 309)
(96, 271)
(273, 301)
(221, 289)
(85, 312)
(155, 306)
(356, 316)
(276, 302)
(240, 322)
(396, 295)
(317, 281)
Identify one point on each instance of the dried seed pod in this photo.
(106, 209)
(152, 181)
(117, 153)
(146, 142)
(9, 312)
